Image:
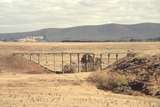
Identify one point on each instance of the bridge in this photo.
(62, 62)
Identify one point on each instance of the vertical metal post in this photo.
(78, 61)
(94, 61)
(86, 63)
(109, 58)
(70, 59)
(117, 57)
(101, 62)
(38, 55)
(62, 62)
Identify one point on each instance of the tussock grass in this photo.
(108, 80)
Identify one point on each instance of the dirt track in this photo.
(70, 90)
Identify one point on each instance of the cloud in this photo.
(23, 15)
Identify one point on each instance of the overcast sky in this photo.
(26, 15)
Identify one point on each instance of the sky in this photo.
(28, 15)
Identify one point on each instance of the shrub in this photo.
(69, 68)
(108, 80)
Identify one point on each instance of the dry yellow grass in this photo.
(142, 47)
(96, 47)
(50, 90)
(67, 90)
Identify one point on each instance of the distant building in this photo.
(31, 39)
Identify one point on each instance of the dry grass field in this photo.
(65, 90)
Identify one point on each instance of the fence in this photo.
(62, 62)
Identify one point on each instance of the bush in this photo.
(108, 80)
(69, 68)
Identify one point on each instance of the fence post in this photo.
(78, 61)
(70, 59)
(94, 61)
(38, 55)
(116, 57)
(108, 58)
(87, 63)
(101, 62)
(62, 62)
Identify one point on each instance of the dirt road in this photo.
(67, 90)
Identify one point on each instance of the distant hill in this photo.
(106, 32)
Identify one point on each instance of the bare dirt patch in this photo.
(15, 64)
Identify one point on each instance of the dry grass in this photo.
(50, 90)
(67, 90)
(148, 47)
(7, 48)
(108, 80)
